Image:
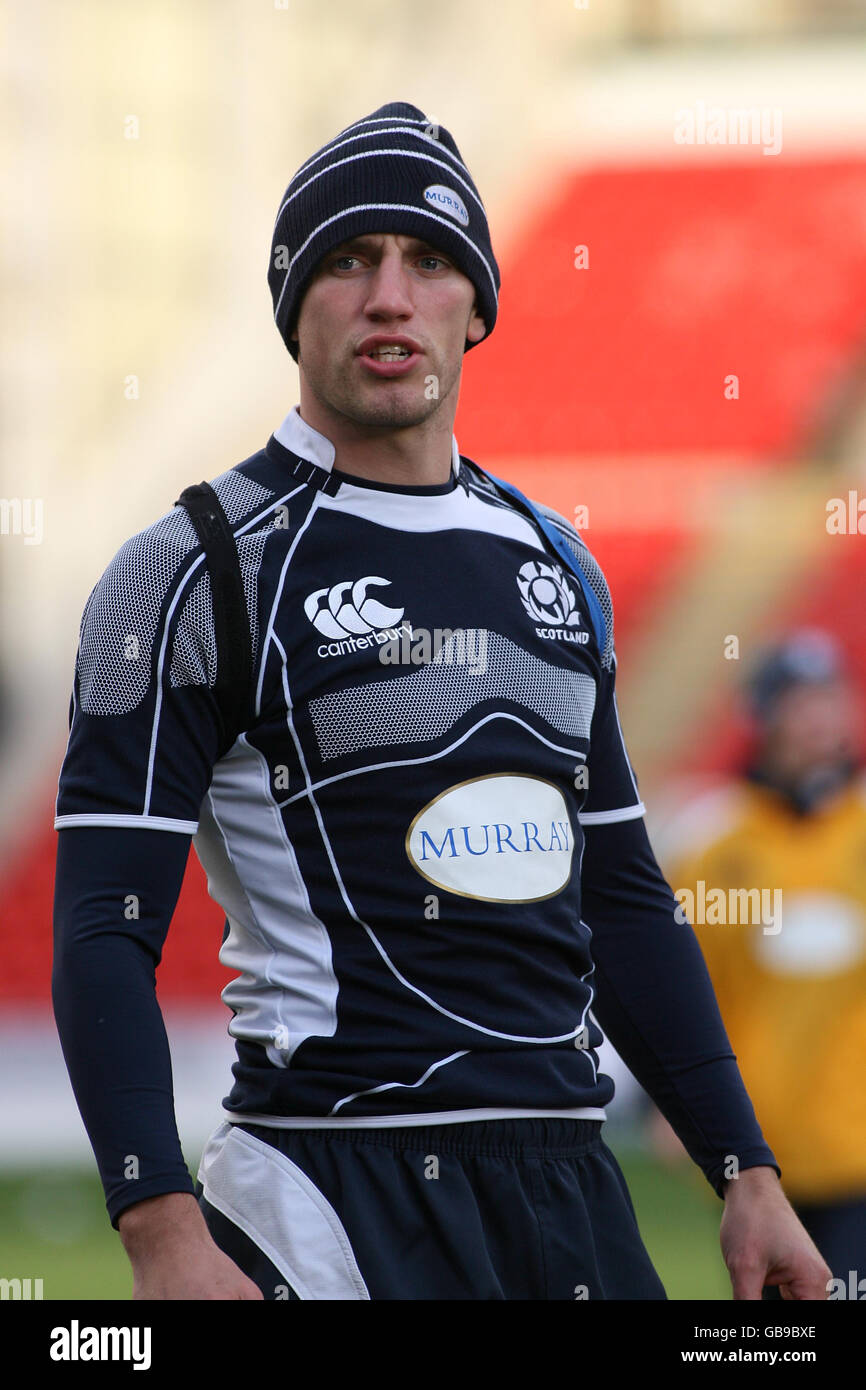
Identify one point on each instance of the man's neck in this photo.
(419, 455)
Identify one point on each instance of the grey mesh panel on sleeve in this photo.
(195, 656)
(194, 659)
(120, 623)
(122, 616)
(239, 494)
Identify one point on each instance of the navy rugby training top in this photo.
(427, 838)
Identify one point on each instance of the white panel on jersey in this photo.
(429, 701)
(287, 989)
(273, 1201)
(443, 511)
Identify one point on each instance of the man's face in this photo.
(389, 287)
(813, 727)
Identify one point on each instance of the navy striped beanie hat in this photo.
(394, 171)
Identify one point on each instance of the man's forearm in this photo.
(110, 1025)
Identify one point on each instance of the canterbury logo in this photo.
(546, 595)
(345, 608)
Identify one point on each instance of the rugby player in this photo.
(431, 855)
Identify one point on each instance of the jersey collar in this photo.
(307, 443)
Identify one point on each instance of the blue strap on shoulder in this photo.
(563, 550)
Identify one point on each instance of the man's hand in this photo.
(764, 1242)
(173, 1254)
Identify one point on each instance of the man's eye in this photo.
(342, 262)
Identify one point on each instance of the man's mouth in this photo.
(390, 357)
(388, 353)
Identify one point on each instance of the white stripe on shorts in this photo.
(274, 1202)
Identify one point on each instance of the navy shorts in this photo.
(519, 1208)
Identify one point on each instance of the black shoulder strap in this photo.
(230, 615)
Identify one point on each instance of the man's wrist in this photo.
(158, 1220)
(751, 1179)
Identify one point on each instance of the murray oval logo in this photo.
(504, 838)
(446, 200)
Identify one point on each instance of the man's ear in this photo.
(476, 329)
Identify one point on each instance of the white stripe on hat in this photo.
(378, 120)
(374, 154)
(393, 130)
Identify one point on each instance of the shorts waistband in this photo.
(527, 1137)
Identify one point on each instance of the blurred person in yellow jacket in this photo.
(771, 872)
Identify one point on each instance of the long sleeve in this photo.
(655, 1002)
(145, 734)
(115, 893)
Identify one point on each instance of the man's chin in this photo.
(390, 409)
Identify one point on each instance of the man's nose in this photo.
(389, 291)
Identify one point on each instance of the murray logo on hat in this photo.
(438, 196)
